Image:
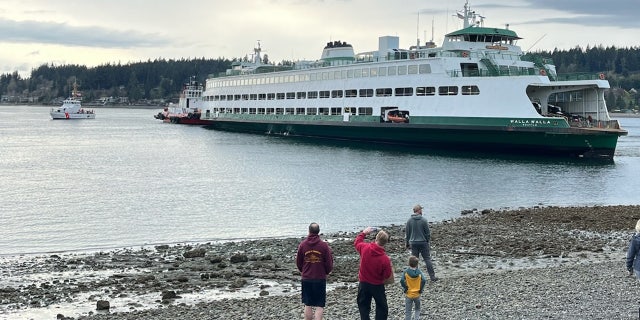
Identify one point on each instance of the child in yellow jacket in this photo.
(412, 282)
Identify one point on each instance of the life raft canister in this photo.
(601, 76)
(543, 72)
(66, 115)
(465, 54)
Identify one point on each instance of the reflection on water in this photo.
(126, 179)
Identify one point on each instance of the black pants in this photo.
(366, 291)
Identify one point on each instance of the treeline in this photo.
(152, 80)
(162, 79)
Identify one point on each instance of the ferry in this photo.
(71, 108)
(478, 91)
(187, 111)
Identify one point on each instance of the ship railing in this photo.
(498, 72)
(581, 76)
(600, 124)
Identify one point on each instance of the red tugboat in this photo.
(188, 110)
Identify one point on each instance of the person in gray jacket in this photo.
(417, 236)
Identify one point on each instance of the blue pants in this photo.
(422, 248)
(408, 304)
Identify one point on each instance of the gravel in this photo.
(529, 263)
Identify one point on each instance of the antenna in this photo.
(418, 31)
(544, 35)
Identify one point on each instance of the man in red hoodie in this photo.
(314, 261)
(375, 271)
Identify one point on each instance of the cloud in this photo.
(84, 36)
(589, 13)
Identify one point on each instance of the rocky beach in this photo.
(527, 263)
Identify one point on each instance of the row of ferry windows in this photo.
(363, 111)
(351, 93)
(329, 75)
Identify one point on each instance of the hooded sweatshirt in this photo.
(633, 255)
(314, 259)
(412, 282)
(417, 229)
(375, 265)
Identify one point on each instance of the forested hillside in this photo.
(160, 80)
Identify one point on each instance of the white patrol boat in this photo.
(477, 92)
(71, 108)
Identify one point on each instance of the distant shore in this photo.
(535, 263)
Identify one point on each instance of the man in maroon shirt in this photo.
(314, 261)
(375, 271)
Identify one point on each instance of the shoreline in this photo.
(532, 263)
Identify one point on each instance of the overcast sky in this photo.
(94, 32)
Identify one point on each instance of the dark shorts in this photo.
(314, 292)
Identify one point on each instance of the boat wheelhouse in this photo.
(478, 91)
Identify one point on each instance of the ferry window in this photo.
(425, 91)
(216, 98)
(382, 71)
(470, 90)
(337, 74)
(351, 93)
(279, 110)
(262, 96)
(343, 74)
(280, 95)
(312, 77)
(291, 95)
(236, 97)
(391, 70)
(330, 74)
(261, 111)
(366, 93)
(324, 94)
(336, 94)
(253, 96)
(301, 95)
(271, 96)
(292, 78)
(413, 69)
(357, 73)
(365, 111)
(336, 111)
(448, 90)
(312, 94)
(373, 72)
(270, 110)
(299, 110)
(325, 76)
(229, 97)
(402, 70)
(349, 73)
(323, 111)
(252, 110)
(383, 92)
(312, 111)
(244, 110)
(365, 72)
(288, 111)
(223, 98)
(424, 68)
(404, 91)
(245, 97)
(236, 110)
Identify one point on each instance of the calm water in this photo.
(126, 179)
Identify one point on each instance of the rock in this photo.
(170, 294)
(102, 305)
(239, 257)
(264, 293)
(195, 253)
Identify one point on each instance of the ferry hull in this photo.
(565, 142)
